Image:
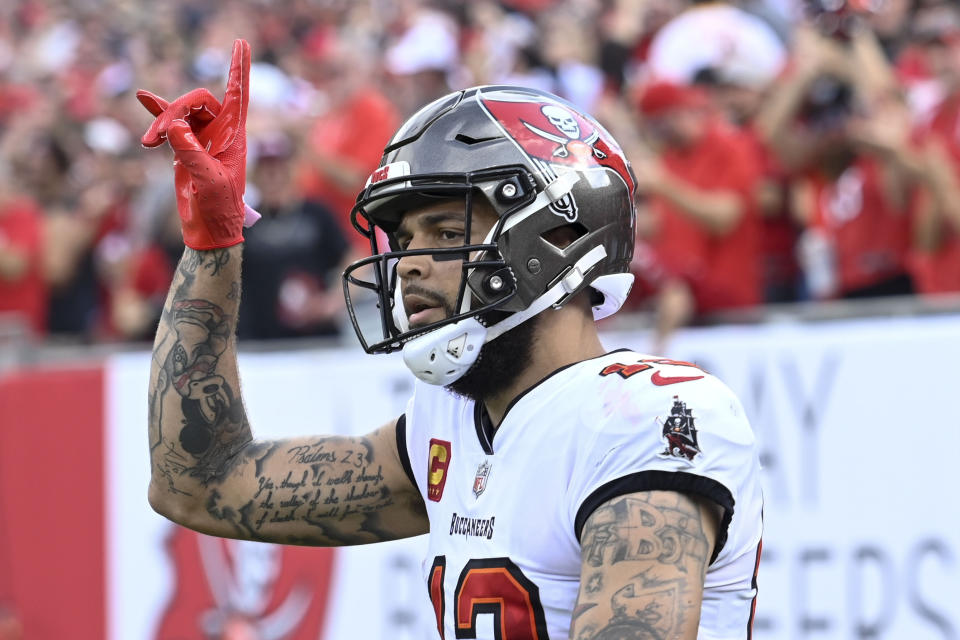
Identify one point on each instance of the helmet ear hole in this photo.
(564, 235)
(596, 297)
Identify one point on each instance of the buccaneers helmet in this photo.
(540, 164)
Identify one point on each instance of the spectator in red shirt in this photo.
(699, 177)
(862, 231)
(22, 288)
(740, 93)
(935, 263)
(344, 144)
(861, 166)
(130, 283)
(856, 201)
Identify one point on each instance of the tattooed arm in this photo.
(207, 471)
(644, 557)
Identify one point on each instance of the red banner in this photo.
(51, 502)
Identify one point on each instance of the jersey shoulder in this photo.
(625, 390)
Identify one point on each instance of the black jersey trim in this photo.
(753, 582)
(402, 449)
(481, 419)
(651, 480)
(484, 426)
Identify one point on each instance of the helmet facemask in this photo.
(486, 283)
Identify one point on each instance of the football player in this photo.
(568, 490)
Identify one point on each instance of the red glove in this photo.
(209, 142)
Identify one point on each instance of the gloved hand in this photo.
(209, 142)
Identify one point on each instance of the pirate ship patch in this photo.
(680, 433)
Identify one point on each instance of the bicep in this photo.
(643, 561)
(325, 490)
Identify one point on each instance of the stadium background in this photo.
(852, 395)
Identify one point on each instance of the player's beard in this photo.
(500, 363)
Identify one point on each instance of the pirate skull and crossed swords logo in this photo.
(566, 124)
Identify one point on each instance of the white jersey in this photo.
(506, 513)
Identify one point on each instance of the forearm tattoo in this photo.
(209, 426)
(665, 539)
(324, 486)
(332, 487)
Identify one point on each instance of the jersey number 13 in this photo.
(490, 585)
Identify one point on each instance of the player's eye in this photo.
(450, 235)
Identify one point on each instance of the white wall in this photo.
(859, 424)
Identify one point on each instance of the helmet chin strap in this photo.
(552, 297)
(442, 356)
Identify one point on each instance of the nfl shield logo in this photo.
(480, 482)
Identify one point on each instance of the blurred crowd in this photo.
(785, 150)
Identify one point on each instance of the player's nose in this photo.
(414, 267)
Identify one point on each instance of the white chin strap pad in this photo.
(399, 312)
(443, 355)
(615, 288)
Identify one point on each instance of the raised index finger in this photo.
(233, 116)
(239, 79)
